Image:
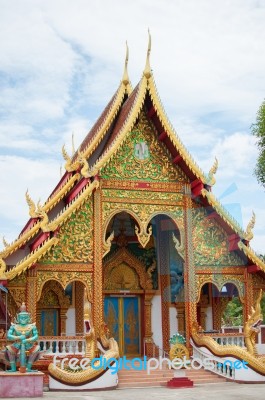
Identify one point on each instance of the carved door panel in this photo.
(122, 315)
(49, 322)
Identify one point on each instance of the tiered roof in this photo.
(97, 149)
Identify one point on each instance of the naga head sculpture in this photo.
(89, 330)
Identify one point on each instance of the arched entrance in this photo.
(60, 311)
(219, 306)
(143, 280)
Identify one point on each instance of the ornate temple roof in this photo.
(96, 150)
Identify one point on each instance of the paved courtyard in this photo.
(225, 391)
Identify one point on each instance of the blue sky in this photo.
(61, 61)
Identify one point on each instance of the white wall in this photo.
(209, 318)
(156, 321)
(173, 321)
(70, 322)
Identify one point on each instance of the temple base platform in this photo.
(16, 384)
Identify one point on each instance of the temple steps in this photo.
(158, 378)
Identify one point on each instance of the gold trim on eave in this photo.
(31, 258)
(251, 255)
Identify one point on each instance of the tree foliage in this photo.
(258, 130)
(233, 313)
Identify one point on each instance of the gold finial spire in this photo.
(125, 78)
(249, 234)
(211, 178)
(73, 144)
(147, 70)
(5, 242)
(31, 204)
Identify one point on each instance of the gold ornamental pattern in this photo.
(132, 195)
(210, 242)
(219, 280)
(122, 277)
(143, 213)
(75, 238)
(64, 278)
(156, 165)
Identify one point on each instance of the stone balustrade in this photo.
(62, 345)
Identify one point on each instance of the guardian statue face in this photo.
(23, 318)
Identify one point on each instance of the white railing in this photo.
(221, 367)
(229, 339)
(62, 345)
(260, 339)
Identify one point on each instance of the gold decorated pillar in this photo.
(204, 302)
(219, 305)
(98, 255)
(79, 307)
(63, 312)
(249, 295)
(31, 293)
(38, 321)
(180, 307)
(148, 324)
(164, 286)
(203, 318)
(189, 275)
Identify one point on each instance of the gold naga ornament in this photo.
(107, 345)
(252, 326)
(249, 234)
(210, 180)
(2, 269)
(248, 354)
(89, 329)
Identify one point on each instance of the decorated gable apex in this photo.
(132, 130)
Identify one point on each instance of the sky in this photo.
(62, 60)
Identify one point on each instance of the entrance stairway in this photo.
(157, 378)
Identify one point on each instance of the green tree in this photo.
(258, 130)
(233, 313)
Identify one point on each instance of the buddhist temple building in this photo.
(134, 221)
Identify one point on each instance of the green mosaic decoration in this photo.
(210, 242)
(75, 238)
(143, 157)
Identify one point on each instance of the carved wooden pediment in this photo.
(124, 271)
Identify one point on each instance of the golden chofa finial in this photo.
(31, 204)
(147, 70)
(211, 178)
(6, 244)
(73, 144)
(249, 234)
(2, 269)
(125, 78)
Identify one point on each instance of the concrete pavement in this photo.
(224, 391)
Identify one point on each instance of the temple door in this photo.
(122, 315)
(49, 322)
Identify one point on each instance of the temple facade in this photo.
(133, 221)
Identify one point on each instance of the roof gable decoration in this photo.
(124, 108)
(132, 109)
